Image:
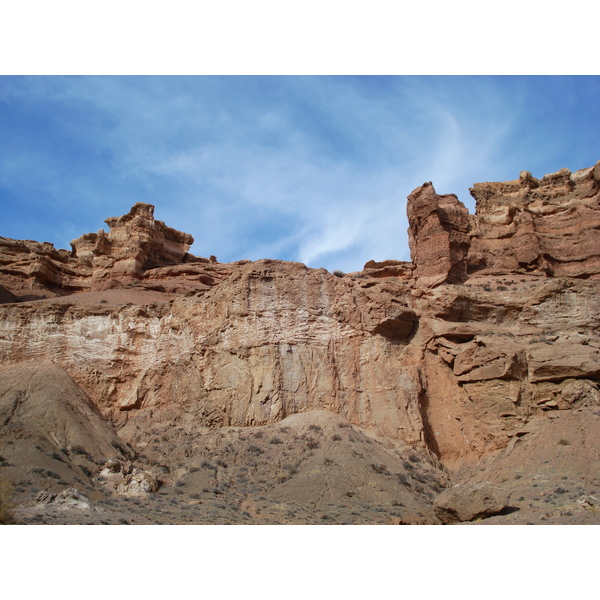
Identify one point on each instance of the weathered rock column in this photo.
(438, 236)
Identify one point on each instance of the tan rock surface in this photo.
(438, 236)
(457, 359)
(138, 250)
(470, 501)
(547, 226)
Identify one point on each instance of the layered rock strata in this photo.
(491, 329)
(545, 227)
(548, 226)
(137, 251)
(438, 236)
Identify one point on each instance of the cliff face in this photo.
(136, 252)
(518, 333)
(548, 226)
(491, 331)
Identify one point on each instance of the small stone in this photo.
(551, 405)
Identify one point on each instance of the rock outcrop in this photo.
(135, 244)
(455, 359)
(137, 251)
(438, 236)
(547, 227)
(470, 501)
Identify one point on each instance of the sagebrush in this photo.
(6, 502)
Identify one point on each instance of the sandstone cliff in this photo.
(491, 333)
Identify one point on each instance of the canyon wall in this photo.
(494, 323)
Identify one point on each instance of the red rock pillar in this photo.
(438, 236)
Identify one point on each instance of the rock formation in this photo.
(544, 227)
(136, 243)
(438, 236)
(548, 226)
(137, 251)
(445, 369)
(469, 502)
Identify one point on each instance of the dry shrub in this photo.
(6, 502)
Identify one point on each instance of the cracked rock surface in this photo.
(270, 392)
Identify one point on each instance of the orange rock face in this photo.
(438, 236)
(135, 244)
(548, 226)
(545, 227)
(493, 327)
(137, 251)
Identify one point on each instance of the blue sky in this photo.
(310, 169)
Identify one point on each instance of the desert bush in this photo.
(336, 438)
(403, 479)
(78, 450)
(338, 273)
(275, 440)
(45, 472)
(6, 502)
(420, 477)
(85, 471)
(381, 469)
(56, 456)
(292, 468)
(255, 449)
(315, 427)
(564, 442)
(311, 444)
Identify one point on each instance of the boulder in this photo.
(480, 360)
(555, 362)
(470, 501)
(139, 483)
(72, 498)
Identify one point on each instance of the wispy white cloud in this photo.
(309, 169)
